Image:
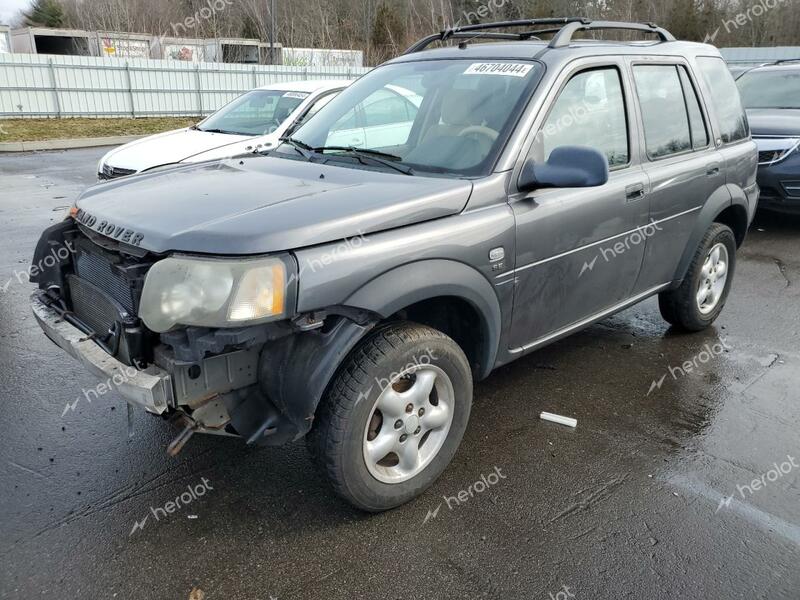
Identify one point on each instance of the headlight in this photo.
(774, 150)
(213, 292)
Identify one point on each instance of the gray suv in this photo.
(455, 209)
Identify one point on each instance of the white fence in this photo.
(84, 86)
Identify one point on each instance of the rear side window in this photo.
(696, 122)
(725, 98)
(664, 114)
(590, 112)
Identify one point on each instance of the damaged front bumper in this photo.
(150, 389)
(261, 384)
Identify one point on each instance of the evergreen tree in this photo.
(45, 13)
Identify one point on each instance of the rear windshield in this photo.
(440, 116)
(770, 89)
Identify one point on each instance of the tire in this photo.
(683, 307)
(388, 371)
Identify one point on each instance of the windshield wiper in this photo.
(300, 146)
(383, 158)
(222, 131)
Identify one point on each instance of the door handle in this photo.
(634, 192)
(713, 169)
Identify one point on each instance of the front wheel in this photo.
(699, 300)
(394, 416)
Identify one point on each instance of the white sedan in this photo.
(255, 120)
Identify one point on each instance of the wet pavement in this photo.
(682, 479)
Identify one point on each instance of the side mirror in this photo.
(567, 167)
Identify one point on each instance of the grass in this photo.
(34, 130)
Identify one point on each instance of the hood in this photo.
(168, 148)
(262, 204)
(774, 122)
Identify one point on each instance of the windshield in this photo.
(770, 89)
(258, 112)
(442, 116)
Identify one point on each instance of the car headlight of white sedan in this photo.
(207, 292)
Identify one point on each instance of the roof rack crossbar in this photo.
(564, 37)
(437, 37)
(475, 31)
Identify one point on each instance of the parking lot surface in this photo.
(682, 479)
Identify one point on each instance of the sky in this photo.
(10, 8)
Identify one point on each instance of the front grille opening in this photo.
(103, 292)
(95, 270)
(95, 308)
(120, 277)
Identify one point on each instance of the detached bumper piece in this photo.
(150, 389)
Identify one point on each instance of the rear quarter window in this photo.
(725, 98)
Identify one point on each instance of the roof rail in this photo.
(479, 31)
(567, 28)
(783, 60)
(564, 37)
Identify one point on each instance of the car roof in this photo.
(314, 85)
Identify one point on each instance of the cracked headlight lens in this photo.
(201, 292)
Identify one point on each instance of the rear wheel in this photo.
(394, 416)
(699, 300)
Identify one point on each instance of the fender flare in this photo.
(719, 201)
(295, 372)
(414, 282)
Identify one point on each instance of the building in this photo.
(41, 40)
(238, 50)
(313, 57)
(184, 49)
(123, 45)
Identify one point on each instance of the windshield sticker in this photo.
(296, 95)
(507, 69)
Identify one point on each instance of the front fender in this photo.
(423, 280)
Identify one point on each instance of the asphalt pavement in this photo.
(681, 480)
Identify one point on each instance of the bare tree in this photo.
(382, 28)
